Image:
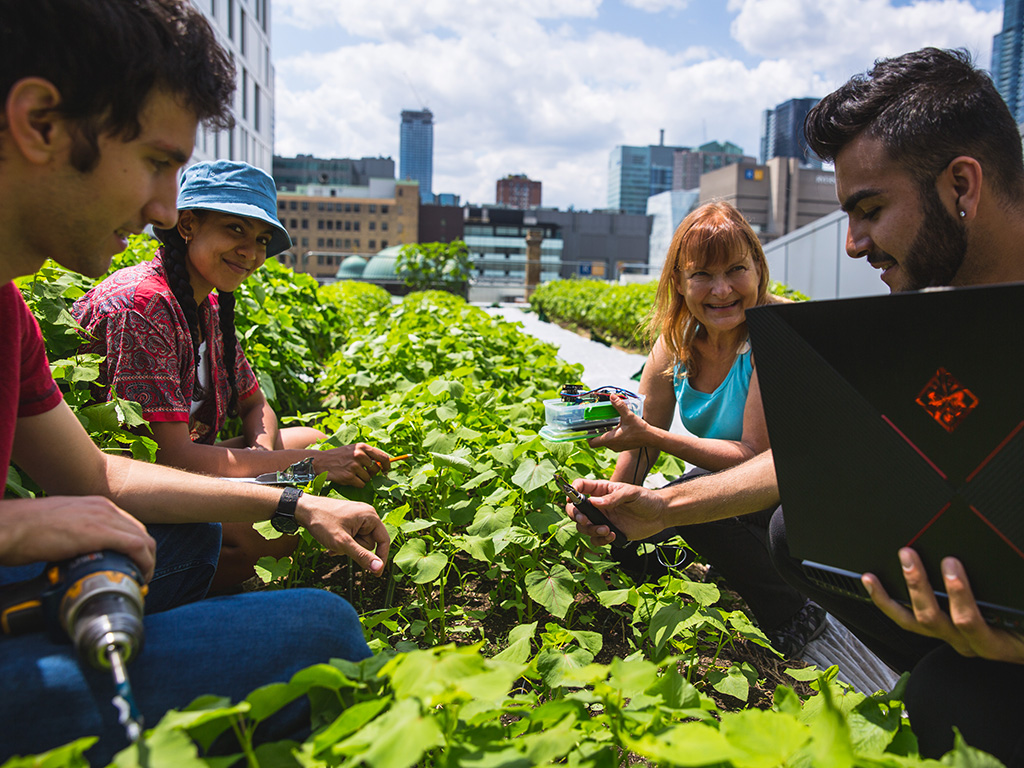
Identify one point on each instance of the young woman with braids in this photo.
(701, 363)
(169, 344)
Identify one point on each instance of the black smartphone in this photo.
(594, 515)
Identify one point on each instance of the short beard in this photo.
(939, 248)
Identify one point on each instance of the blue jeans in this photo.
(226, 646)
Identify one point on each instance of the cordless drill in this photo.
(96, 601)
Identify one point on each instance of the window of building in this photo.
(373, 244)
(355, 225)
(319, 206)
(383, 209)
(320, 259)
(348, 207)
(330, 206)
(305, 244)
(294, 223)
(355, 243)
(242, 36)
(319, 242)
(399, 192)
(373, 207)
(348, 243)
(384, 226)
(320, 224)
(355, 208)
(282, 205)
(383, 244)
(305, 205)
(305, 223)
(231, 19)
(330, 242)
(348, 226)
(293, 205)
(373, 225)
(330, 224)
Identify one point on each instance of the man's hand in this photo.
(637, 511)
(58, 527)
(351, 464)
(346, 527)
(963, 628)
(631, 432)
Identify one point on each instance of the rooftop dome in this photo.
(382, 266)
(352, 268)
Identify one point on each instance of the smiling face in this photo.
(909, 235)
(717, 294)
(134, 183)
(223, 249)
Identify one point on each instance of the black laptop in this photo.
(899, 421)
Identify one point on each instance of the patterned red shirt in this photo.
(135, 322)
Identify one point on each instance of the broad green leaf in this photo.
(422, 567)
(731, 681)
(270, 569)
(452, 462)
(531, 475)
(553, 589)
(764, 738)
(520, 641)
(68, 756)
(554, 663)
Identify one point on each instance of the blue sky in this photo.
(549, 87)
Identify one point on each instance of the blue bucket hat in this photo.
(232, 187)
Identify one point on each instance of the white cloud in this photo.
(528, 87)
(840, 37)
(657, 6)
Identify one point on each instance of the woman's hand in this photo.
(351, 464)
(631, 432)
(963, 627)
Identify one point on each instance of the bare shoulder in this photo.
(771, 298)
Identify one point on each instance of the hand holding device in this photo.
(596, 516)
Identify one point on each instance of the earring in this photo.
(962, 214)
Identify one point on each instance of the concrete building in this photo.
(636, 173)
(782, 132)
(777, 197)
(243, 28)
(416, 153)
(327, 224)
(496, 239)
(293, 172)
(1008, 58)
(688, 165)
(441, 224)
(813, 260)
(518, 191)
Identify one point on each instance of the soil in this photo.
(475, 617)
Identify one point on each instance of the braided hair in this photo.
(174, 256)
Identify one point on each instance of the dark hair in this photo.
(926, 107)
(107, 56)
(173, 257)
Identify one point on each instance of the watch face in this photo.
(284, 523)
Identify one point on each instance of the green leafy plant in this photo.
(434, 265)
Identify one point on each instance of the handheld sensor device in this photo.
(579, 413)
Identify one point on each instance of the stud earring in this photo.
(962, 214)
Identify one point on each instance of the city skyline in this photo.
(549, 88)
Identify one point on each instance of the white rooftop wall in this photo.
(813, 260)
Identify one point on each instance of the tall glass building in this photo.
(636, 173)
(416, 152)
(782, 132)
(1008, 58)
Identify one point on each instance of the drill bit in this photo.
(124, 701)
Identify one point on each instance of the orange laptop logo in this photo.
(946, 400)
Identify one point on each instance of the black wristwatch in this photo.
(284, 516)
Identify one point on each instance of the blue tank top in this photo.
(718, 414)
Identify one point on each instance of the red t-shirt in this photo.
(26, 386)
